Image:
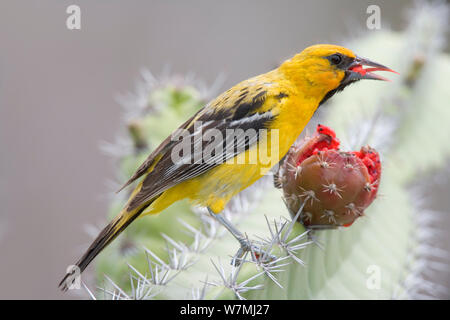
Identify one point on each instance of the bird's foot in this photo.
(257, 253)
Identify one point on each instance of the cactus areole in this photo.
(334, 187)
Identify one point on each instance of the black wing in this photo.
(156, 155)
(231, 111)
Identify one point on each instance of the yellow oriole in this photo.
(283, 99)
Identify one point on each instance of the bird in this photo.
(264, 116)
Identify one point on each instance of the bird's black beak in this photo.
(357, 72)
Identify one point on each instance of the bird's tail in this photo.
(108, 234)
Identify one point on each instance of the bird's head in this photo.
(327, 69)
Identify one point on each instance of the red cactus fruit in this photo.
(334, 187)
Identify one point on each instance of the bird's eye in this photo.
(335, 59)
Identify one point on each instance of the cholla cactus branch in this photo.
(230, 281)
(200, 293)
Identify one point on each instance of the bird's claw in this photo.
(257, 253)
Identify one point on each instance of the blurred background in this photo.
(58, 90)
